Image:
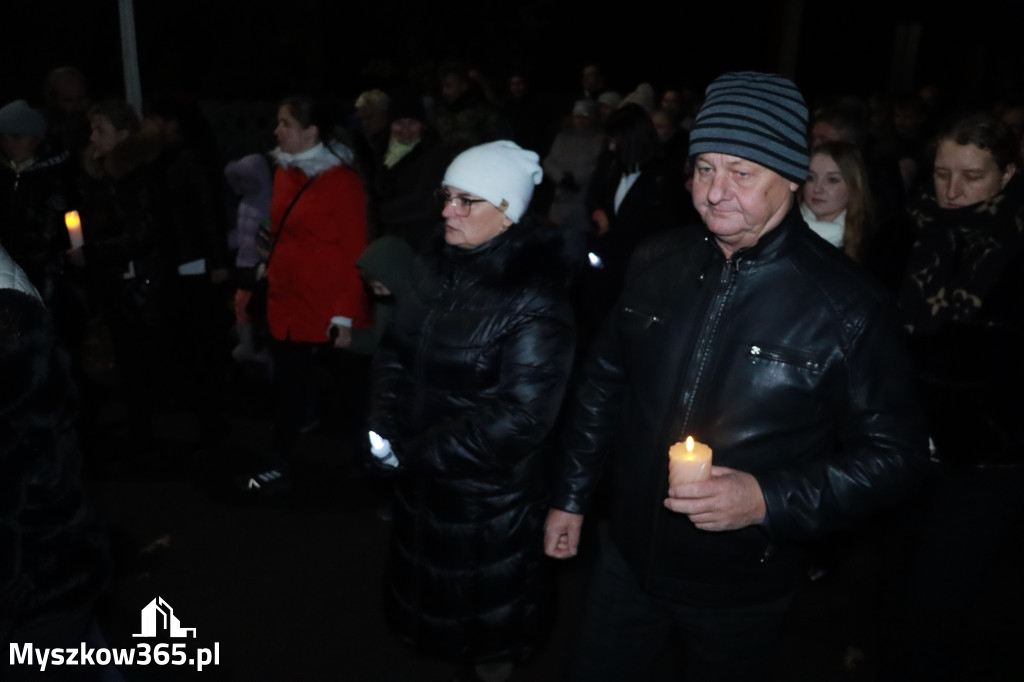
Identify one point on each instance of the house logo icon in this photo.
(158, 616)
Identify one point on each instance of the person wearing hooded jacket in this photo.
(250, 178)
(54, 557)
(467, 387)
(36, 187)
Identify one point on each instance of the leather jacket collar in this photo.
(771, 245)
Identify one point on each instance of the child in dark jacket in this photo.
(384, 266)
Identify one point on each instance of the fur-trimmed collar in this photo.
(530, 249)
(139, 149)
(315, 161)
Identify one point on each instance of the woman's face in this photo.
(825, 192)
(406, 130)
(292, 138)
(483, 223)
(966, 174)
(105, 136)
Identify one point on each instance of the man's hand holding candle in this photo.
(730, 500)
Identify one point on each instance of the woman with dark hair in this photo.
(635, 192)
(467, 386)
(963, 304)
(130, 256)
(314, 294)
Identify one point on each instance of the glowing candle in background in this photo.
(74, 225)
(688, 462)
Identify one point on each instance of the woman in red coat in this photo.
(318, 222)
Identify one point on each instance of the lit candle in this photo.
(688, 462)
(74, 225)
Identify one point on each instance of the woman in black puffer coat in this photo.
(54, 561)
(467, 386)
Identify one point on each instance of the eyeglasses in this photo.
(460, 203)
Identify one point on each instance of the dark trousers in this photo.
(294, 373)
(943, 563)
(625, 630)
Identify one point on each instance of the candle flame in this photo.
(689, 443)
(72, 220)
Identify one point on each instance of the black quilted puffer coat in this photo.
(468, 383)
(54, 560)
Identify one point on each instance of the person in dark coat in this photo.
(755, 337)
(54, 558)
(36, 190)
(634, 193)
(130, 256)
(963, 303)
(467, 386)
(409, 171)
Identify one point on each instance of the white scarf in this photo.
(315, 160)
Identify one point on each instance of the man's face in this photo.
(70, 95)
(517, 86)
(671, 101)
(739, 200)
(18, 148)
(452, 87)
(592, 78)
(663, 126)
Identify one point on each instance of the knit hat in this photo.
(610, 99)
(585, 107)
(407, 104)
(501, 172)
(18, 118)
(760, 117)
(643, 95)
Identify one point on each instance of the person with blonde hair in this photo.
(836, 199)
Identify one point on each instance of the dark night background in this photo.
(234, 50)
(292, 593)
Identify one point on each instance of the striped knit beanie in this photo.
(760, 117)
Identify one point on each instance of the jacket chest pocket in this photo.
(771, 385)
(639, 321)
(768, 356)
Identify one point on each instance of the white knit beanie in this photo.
(500, 172)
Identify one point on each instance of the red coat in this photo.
(312, 272)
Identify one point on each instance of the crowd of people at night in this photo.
(516, 302)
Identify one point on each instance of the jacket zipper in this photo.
(701, 353)
(709, 329)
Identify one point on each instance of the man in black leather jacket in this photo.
(761, 340)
